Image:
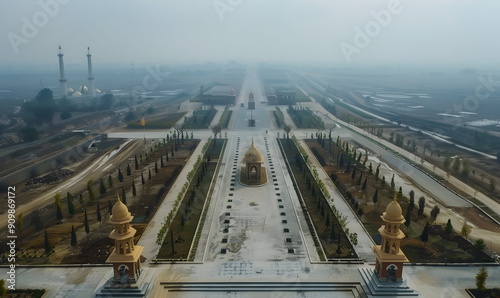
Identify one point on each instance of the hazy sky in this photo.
(423, 32)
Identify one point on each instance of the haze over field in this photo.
(425, 33)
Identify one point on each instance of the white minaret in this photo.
(62, 80)
(91, 78)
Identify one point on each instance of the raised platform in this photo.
(142, 288)
(374, 287)
(260, 289)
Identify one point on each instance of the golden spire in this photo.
(395, 199)
(118, 196)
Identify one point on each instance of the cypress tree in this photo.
(110, 207)
(364, 184)
(71, 206)
(134, 192)
(434, 213)
(149, 175)
(375, 197)
(136, 162)
(421, 205)
(102, 188)
(449, 227)
(161, 161)
(86, 223)
(377, 172)
(120, 175)
(90, 190)
(129, 171)
(425, 233)
(411, 205)
(59, 212)
(110, 181)
(156, 167)
(124, 197)
(73, 237)
(408, 219)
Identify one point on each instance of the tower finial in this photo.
(118, 196)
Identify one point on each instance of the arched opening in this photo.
(123, 272)
(253, 175)
(391, 272)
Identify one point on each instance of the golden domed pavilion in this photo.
(389, 256)
(125, 256)
(253, 160)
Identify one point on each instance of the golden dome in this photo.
(393, 211)
(120, 213)
(253, 155)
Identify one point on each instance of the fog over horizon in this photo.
(340, 34)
